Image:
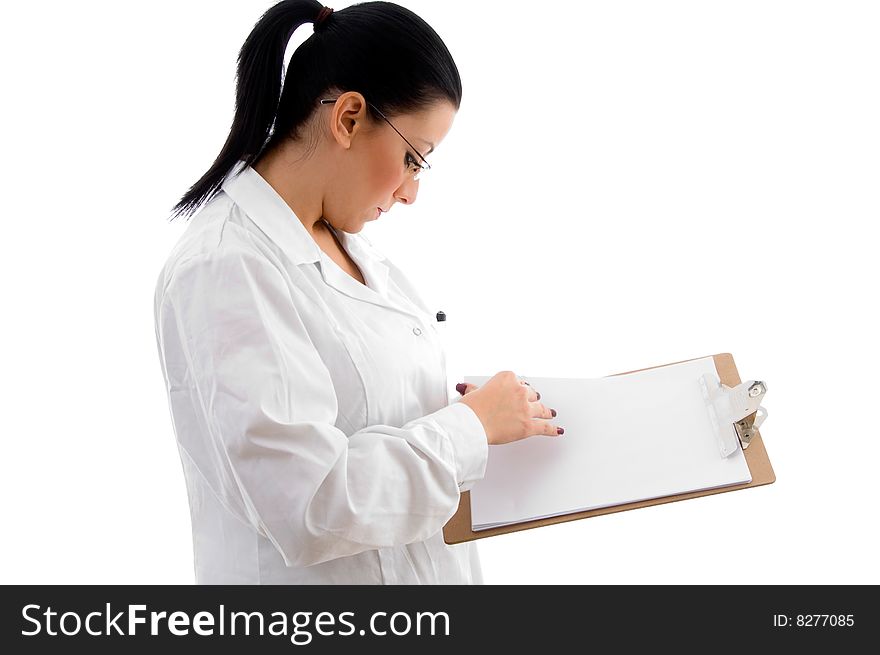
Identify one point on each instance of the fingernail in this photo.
(461, 387)
(553, 412)
(560, 430)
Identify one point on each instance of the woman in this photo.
(305, 377)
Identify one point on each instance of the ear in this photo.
(347, 117)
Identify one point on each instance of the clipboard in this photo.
(459, 528)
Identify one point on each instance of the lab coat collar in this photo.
(368, 259)
(270, 213)
(268, 210)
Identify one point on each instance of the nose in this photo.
(408, 191)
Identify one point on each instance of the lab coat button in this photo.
(416, 331)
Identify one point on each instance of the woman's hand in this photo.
(508, 409)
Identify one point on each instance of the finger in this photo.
(545, 428)
(465, 388)
(540, 410)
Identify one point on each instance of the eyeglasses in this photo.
(417, 168)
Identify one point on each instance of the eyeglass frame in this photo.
(422, 167)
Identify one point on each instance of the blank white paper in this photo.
(627, 438)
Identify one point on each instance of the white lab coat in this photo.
(312, 413)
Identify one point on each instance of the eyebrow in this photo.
(430, 144)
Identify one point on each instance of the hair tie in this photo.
(323, 15)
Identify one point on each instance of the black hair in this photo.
(379, 49)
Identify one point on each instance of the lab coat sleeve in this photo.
(470, 479)
(254, 408)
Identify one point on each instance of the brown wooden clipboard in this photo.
(458, 528)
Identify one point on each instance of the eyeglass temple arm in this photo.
(427, 165)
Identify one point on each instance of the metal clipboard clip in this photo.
(735, 412)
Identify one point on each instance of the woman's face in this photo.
(377, 169)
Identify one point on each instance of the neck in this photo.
(298, 185)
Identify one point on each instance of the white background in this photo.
(627, 184)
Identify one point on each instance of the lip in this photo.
(379, 212)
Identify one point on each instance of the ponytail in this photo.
(256, 99)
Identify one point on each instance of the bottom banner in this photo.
(284, 619)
